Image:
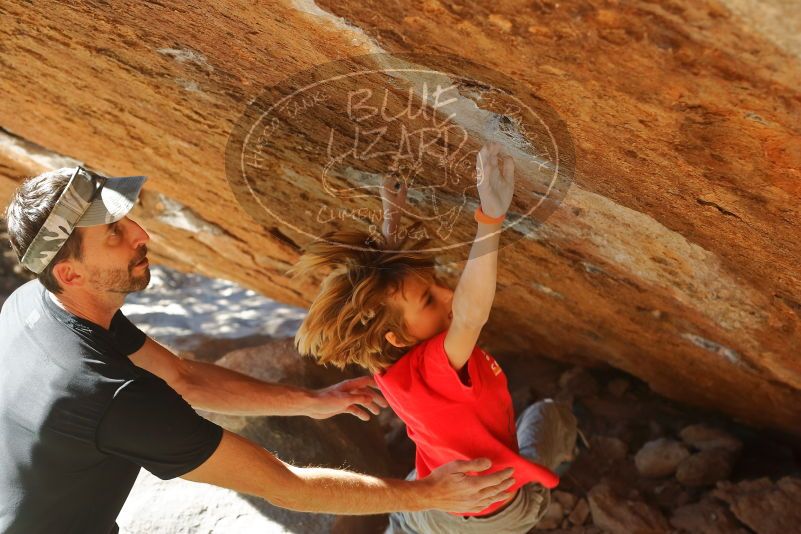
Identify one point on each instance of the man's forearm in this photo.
(473, 296)
(343, 492)
(216, 389)
(244, 466)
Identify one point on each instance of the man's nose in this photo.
(138, 234)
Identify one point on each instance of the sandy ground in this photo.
(184, 311)
(182, 507)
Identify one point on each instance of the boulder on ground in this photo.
(660, 458)
(567, 500)
(610, 448)
(764, 506)
(708, 516)
(578, 382)
(705, 468)
(339, 442)
(618, 387)
(552, 518)
(580, 513)
(703, 437)
(617, 515)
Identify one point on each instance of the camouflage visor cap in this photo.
(89, 199)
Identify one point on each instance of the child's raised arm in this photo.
(472, 299)
(393, 199)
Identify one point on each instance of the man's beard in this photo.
(122, 280)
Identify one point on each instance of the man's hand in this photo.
(215, 389)
(245, 467)
(356, 397)
(451, 489)
(495, 179)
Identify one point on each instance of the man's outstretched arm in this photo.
(243, 466)
(209, 387)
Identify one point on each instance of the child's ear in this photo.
(393, 340)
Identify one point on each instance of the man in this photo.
(86, 399)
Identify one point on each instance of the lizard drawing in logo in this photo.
(430, 156)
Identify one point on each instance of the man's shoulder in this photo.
(25, 292)
(23, 308)
(34, 332)
(30, 287)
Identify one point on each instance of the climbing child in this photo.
(382, 307)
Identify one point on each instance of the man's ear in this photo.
(393, 340)
(66, 275)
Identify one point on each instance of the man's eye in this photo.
(430, 299)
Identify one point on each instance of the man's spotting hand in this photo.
(356, 397)
(449, 488)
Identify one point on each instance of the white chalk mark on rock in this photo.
(730, 354)
(187, 55)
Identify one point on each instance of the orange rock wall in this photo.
(674, 255)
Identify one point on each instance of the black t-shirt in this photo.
(78, 419)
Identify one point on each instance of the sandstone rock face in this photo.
(672, 255)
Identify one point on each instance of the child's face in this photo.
(426, 308)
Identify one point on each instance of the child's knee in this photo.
(551, 410)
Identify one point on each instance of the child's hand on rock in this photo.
(495, 179)
(393, 191)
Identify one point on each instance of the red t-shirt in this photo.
(449, 420)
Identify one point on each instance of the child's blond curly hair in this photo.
(351, 314)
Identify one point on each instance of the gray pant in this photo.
(546, 433)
